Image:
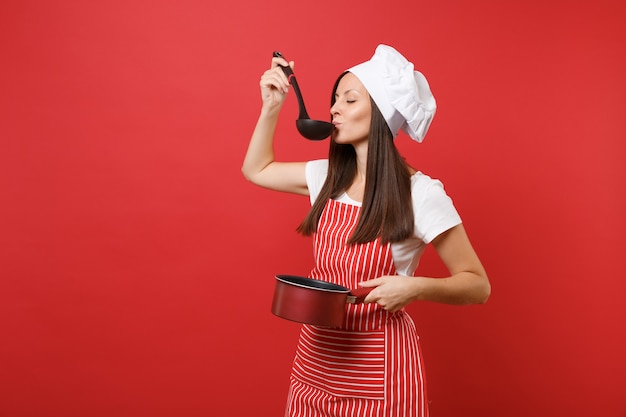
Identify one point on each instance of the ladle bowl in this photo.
(308, 128)
(314, 129)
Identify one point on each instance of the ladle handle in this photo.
(292, 80)
(287, 70)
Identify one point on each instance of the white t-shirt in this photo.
(433, 210)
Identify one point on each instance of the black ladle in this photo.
(310, 129)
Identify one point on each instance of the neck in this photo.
(361, 162)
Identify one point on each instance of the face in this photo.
(352, 111)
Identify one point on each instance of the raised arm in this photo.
(259, 166)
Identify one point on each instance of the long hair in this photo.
(387, 210)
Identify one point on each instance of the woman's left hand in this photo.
(392, 292)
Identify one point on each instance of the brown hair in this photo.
(387, 210)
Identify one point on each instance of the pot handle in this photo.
(357, 295)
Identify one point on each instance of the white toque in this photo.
(401, 93)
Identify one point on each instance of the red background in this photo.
(137, 264)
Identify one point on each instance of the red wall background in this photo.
(136, 264)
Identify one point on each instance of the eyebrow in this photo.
(347, 91)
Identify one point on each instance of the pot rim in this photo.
(310, 283)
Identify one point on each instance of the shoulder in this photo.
(318, 167)
(433, 209)
(425, 189)
(422, 185)
(316, 172)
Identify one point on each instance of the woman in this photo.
(372, 216)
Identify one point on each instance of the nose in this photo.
(334, 109)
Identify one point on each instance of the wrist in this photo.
(422, 288)
(270, 110)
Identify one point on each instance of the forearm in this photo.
(460, 289)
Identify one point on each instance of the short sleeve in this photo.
(433, 209)
(316, 172)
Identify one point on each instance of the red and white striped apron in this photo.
(371, 365)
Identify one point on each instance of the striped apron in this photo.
(371, 365)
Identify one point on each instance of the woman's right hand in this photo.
(275, 84)
(259, 166)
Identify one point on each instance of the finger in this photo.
(284, 80)
(372, 282)
(279, 64)
(282, 63)
(275, 79)
(276, 61)
(372, 297)
(270, 80)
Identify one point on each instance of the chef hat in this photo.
(402, 94)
